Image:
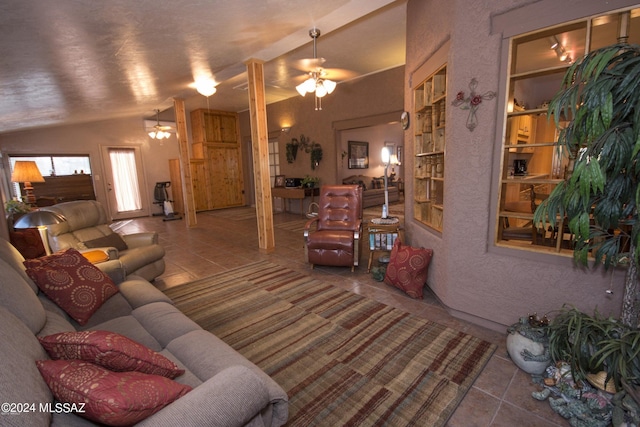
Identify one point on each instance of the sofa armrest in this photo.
(233, 397)
(113, 269)
(136, 240)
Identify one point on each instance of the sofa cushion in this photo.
(96, 257)
(11, 256)
(72, 282)
(408, 268)
(20, 379)
(111, 240)
(109, 350)
(111, 398)
(18, 297)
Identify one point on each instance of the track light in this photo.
(561, 52)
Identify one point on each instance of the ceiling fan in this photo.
(317, 79)
(159, 131)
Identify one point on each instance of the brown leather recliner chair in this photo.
(336, 240)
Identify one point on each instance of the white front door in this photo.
(124, 181)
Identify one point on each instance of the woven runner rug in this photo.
(343, 359)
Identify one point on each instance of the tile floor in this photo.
(225, 239)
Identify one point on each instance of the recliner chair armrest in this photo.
(307, 226)
(135, 240)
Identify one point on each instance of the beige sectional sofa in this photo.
(227, 389)
(87, 221)
(373, 190)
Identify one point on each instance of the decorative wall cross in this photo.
(472, 102)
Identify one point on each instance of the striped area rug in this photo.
(343, 359)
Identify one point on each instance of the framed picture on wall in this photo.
(399, 154)
(280, 181)
(358, 155)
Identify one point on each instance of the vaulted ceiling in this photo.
(75, 61)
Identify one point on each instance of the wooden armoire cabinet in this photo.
(216, 161)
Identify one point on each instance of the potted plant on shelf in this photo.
(310, 181)
(600, 97)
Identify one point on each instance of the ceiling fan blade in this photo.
(308, 64)
(338, 74)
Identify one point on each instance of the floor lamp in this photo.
(386, 158)
(26, 171)
(40, 220)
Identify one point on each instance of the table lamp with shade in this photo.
(26, 171)
(40, 220)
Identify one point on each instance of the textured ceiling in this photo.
(74, 61)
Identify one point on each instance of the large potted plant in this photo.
(600, 98)
(599, 349)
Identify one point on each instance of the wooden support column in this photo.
(185, 166)
(260, 148)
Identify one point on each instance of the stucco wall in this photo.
(472, 277)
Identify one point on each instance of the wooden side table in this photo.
(295, 193)
(381, 238)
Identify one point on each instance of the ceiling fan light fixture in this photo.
(329, 85)
(320, 89)
(157, 132)
(206, 87)
(316, 83)
(308, 86)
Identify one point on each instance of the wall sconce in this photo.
(286, 129)
(26, 171)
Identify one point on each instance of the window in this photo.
(531, 163)
(57, 165)
(50, 165)
(274, 160)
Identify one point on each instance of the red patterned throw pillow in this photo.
(28, 242)
(109, 350)
(72, 282)
(111, 398)
(408, 268)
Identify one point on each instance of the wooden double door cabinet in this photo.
(216, 163)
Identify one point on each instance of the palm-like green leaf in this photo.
(601, 97)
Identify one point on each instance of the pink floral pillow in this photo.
(408, 268)
(111, 398)
(72, 282)
(109, 350)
